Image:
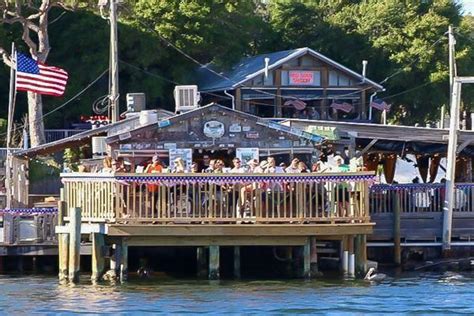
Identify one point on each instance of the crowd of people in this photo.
(178, 165)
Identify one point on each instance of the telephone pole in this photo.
(114, 70)
(114, 109)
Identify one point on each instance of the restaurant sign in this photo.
(328, 132)
(301, 78)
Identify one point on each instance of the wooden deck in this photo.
(420, 211)
(233, 199)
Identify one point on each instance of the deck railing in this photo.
(426, 197)
(220, 198)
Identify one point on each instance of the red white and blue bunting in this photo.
(30, 211)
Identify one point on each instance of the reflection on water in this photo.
(418, 293)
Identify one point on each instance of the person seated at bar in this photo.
(293, 167)
(194, 167)
(218, 166)
(107, 165)
(237, 166)
(302, 167)
(179, 166)
(211, 167)
(119, 165)
(262, 167)
(271, 165)
(252, 164)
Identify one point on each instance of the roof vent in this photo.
(186, 98)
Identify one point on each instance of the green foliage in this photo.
(43, 168)
(403, 37)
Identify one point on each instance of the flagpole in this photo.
(11, 105)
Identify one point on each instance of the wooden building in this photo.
(299, 83)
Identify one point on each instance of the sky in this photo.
(468, 6)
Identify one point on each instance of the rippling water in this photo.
(416, 294)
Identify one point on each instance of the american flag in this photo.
(39, 78)
(380, 105)
(345, 107)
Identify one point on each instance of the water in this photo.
(409, 294)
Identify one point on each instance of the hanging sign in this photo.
(185, 153)
(235, 128)
(214, 129)
(246, 154)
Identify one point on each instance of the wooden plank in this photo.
(240, 230)
(201, 241)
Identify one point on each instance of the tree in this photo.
(208, 30)
(402, 37)
(33, 16)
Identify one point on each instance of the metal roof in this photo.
(250, 67)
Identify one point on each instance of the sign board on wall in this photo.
(185, 153)
(214, 129)
(246, 154)
(301, 78)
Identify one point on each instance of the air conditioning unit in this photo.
(186, 98)
(136, 102)
(99, 147)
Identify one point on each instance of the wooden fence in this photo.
(414, 198)
(220, 198)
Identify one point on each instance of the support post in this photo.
(63, 245)
(214, 263)
(114, 68)
(451, 165)
(351, 272)
(237, 262)
(314, 258)
(361, 255)
(74, 243)
(307, 259)
(201, 262)
(124, 261)
(397, 249)
(115, 261)
(97, 256)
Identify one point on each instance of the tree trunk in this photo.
(35, 119)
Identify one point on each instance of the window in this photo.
(338, 80)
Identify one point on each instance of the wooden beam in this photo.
(63, 245)
(366, 148)
(97, 257)
(237, 262)
(202, 241)
(307, 259)
(361, 255)
(214, 273)
(255, 230)
(74, 243)
(463, 145)
(124, 261)
(201, 261)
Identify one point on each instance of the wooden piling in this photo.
(201, 262)
(97, 256)
(237, 262)
(115, 261)
(397, 249)
(307, 259)
(214, 263)
(313, 257)
(124, 261)
(74, 243)
(361, 255)
(63, 245)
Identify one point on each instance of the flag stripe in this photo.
(26, 81)
(40, 78)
